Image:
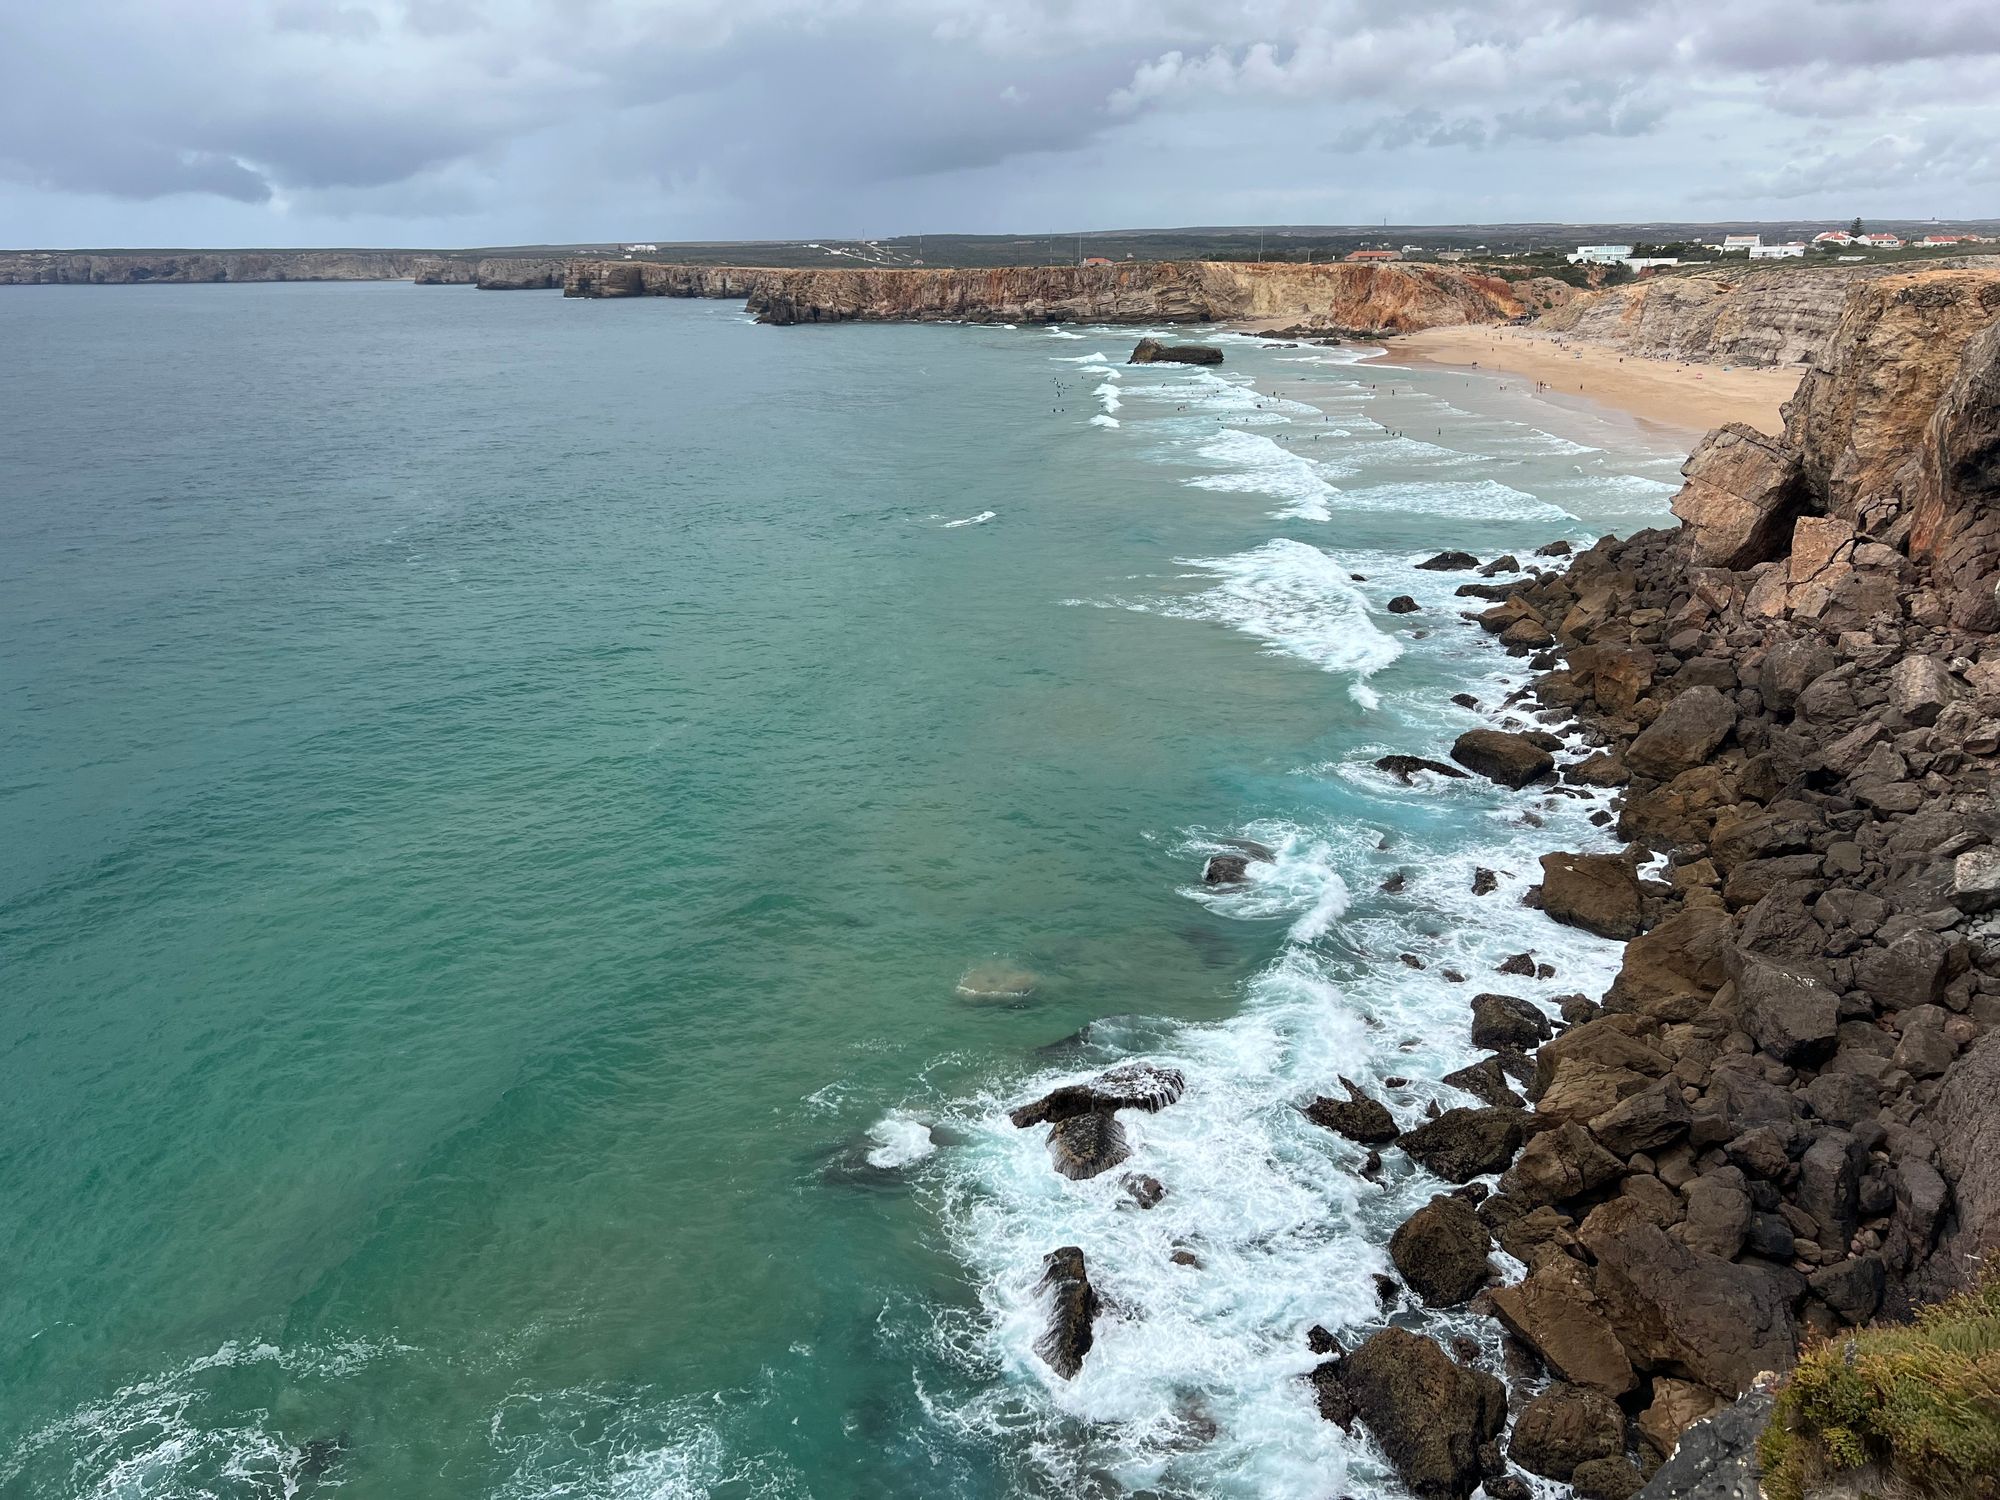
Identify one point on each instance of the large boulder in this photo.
(1741, 495)
(1786, 1008)
(1555, 1312)
(1440, 1250)
(1684, 1313)
(1072, 1311)
(1688, 731)
(1558, 1165)
(1130, 1086)
(1675, 971)
(1565, 1426)
(1430, 1415)
(1513, 760)
(1597, 892)
(1152, 351)
(1505, 1021)
(1084, 1145)
(1655, 1116)
(1462, 1144)
(1952, 487)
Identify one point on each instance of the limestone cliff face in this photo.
(1887, 478)
(1371, 299)
(128, 268)
(502, 274)
(1739, 316)
(638, 278)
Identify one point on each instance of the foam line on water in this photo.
(1257, 465)
(1300, 602)
(979, 520)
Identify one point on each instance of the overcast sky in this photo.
(480, 122)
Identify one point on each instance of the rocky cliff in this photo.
(637, 278)
(1739, 316)
(128, 268)
(1781, 1117)
(1369, 299)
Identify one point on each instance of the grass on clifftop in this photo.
(1922, 1400)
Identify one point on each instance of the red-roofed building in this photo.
(1370, 255)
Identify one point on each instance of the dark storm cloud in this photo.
(528, 119)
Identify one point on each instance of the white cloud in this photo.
(538, 119)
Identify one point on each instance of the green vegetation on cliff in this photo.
(1920, 1401)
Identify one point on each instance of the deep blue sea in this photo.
(540, 838)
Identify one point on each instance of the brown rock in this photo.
(1688, 1314)
(1676, 1406)
(1741, 493)
(1430, 1415)
(1565, 1426)
(1440, 1251)
(1513, 760)
(1555, 1312)
(1558, 1165)
(1596, 892)
(1357, 1117)
(1688, 731)
(1462, 1144)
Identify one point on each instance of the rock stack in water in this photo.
(1785, 1114)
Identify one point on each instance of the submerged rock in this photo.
(1358, 1117)
(1072, 1312)
(1405, 767)
(996, 980)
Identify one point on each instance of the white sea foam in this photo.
(1063, 333)
(978, 520)
(1080, 359)
(1472, 499)
(1257, 465)
(1103, 421)
(1300, 602)
(1286, 1231)
(898, 1140)
(1107, 396)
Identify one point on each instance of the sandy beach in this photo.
(1688, 396)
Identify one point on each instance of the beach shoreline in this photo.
(1689, 398)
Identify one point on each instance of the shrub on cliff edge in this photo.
(1919, 1401)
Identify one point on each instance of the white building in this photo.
(1599, 255)
(1882, 241)
(1776, 252)
(1833, 237)
(1732, 242)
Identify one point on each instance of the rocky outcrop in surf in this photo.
(1779, 1119)
(1370, 299)
(1739, 315)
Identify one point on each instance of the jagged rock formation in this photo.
(1783, 1117)
(1737, 316)
(638, 278)
(1369, 299)
(127, 268)
(1891, 449)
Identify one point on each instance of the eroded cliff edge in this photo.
(1739, 315)
(1396, 298)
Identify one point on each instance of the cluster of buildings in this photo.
(1753, 247)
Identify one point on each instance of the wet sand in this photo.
(1686, 396)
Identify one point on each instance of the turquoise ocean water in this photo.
(538, 840)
